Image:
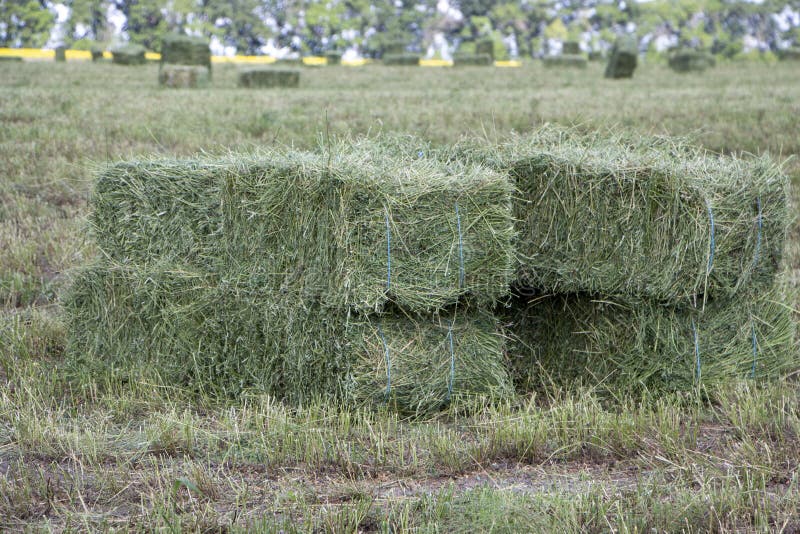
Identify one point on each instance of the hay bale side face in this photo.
(485, 47)
(419, 365)
(185, 50)
(183, 76)
(790, 54)
(61, 54)
(618, 347)
(267, 77)
(571, 48)
(401, 60)
(622, 61)
(691, 61)
(333, 58)
(632, 217)
(97, 53)
(472, 60)
(130, 54)
(566, 60)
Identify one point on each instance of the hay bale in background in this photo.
(268, 77)
(622, 61)
(688, 60)
(183, 76)
(449, 228)
(97, 53)
(790, 54)
(177, 49)
(333, 58)
(473, 60)
(15, 59)
(640, 217)
(130, 54)
(485, 47)
(571, 48)
(290, 62)
(225, 336)
(401, 60)
(566, 60)
(573, 340)
(61, 54)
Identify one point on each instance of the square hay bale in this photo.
(401, 60)
(10, 59)
(688, 60)
(358, 227)
(61, 54)
(130, 54)
(642, 217)
(485, 47)
(472, 60)
(224, 337)
(571, 48)
(177, 49)
(566, 60)
(97, 53)
(790, 54)
(622, 61)
(268, 77)
(333, 58)
(621, 347)
(183, 76)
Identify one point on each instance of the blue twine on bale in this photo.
(755, 349)
(460, 250)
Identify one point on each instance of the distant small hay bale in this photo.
(566, 60)
(595, 55)
(401, 60)
(266, 77)
(472, 60)
(183, 76)
(689, 60)
(571, 48)
(11, 58)
(394, 47)
(790, 54)
(290, 62)
(185, 50)
(61, 54)
(130, 54)
(622, 61)
(485, 46)
(97, 53)
(333, 58)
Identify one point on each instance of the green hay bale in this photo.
(224, 337)
(422, 364)
(571, 48)
(690, 60)
(618, 347)
(566, 60)
(97, 53)
(790, 54)
(268, 77)
(595, 55)
(333, 58)
(61, 54)
(401, 60)
(318, 223)
(15, 59)
(179, 49)
(130, 54)
(622, 61)
(183, 76)
(485, 47)
(472, 60)
(395, 47)
(632, 216)
(290, 62)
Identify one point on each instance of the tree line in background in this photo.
(371, 27)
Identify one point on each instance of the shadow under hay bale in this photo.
(642, 217)
(400, 60)
(622, 61)
(183, 76)
(268, 77)
(472, 60)
(61, 54)
(130, 54)
(566, 60)
(690, 60)
(375, 227)
(224, 337)
(577, 340)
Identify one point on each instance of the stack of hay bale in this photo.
(645, 264)
(185, 62)
(355, 275)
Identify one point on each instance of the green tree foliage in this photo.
(24, 23)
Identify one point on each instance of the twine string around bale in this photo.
(388, 249)
(759, 225)
(388, 364)
(697, 369)
(452, 362)
(460, 250)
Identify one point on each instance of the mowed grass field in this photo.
(77, 455)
